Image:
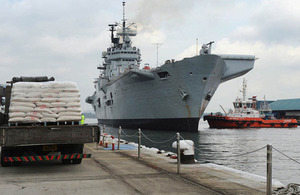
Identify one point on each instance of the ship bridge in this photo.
(121, 56)
(129, 54)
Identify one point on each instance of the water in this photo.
(213, 145)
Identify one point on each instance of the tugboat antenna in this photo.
(244, 90)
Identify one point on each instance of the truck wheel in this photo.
(4, 153)
(66, 161)
(77, 161)
(17, 151)
(78, 149)
(70, 149)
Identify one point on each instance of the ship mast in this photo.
(124, 23)
(244, 90)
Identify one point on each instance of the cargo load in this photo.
(38, 122)
(33, 102)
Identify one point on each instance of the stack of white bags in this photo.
(33, 102)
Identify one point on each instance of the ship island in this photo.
(170, 97)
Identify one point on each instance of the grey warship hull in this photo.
(171, 97)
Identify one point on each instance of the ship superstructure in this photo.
(170, 97)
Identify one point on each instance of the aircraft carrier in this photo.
(170, 97)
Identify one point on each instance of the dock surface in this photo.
(157, 174)
(121, 172)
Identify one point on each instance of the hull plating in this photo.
(183, 124)
(176, 99)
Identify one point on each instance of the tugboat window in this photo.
(163, 74)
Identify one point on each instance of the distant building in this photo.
(287, 108)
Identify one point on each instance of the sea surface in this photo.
(215, 145)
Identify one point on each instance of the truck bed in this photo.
(40, 135)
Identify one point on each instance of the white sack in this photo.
(58, 109)
(49, 115)
(26, 104)
(42, 109)
(16, 119)
(43, 104)
(49, 99)
(58, 104)
(49, 95)
(20, 109)
(48, 119)
(34, 114)
(31, 119)
(17, 114)
(32, 99)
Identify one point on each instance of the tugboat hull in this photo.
(223, 122)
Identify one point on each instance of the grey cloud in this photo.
(273, 22)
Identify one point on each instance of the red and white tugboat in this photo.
(246, 115)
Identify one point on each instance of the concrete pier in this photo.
(157, 174)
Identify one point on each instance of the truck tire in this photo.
(77, 161)
(66, 161)
(16, 151)
(10, 151)
(70, 149)
(78, 149)
(4, 153)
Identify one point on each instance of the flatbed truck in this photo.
(33, 142)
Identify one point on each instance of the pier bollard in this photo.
(178, 153)
(119, 137)
(106, 142)
(113, 144)
(101, 140)
(139, 143)
(269, 169)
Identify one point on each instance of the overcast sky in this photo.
(65, 39)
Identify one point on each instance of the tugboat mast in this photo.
(244, 90)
